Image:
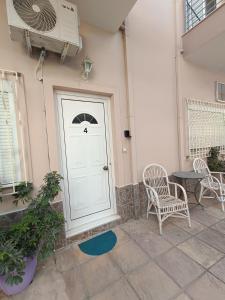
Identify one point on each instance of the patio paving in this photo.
(182, 264)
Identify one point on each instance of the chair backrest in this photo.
(155, 176)
(200, 166)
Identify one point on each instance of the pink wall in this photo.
(108, 77)
(161, 80)
(151, 47)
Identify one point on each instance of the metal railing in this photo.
(198, 10)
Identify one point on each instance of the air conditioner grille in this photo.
(38, 14)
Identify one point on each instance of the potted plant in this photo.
(214, 163)
(30, 239)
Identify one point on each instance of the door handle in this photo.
(105, 168)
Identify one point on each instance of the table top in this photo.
(188, 175)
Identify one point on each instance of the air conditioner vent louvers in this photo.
(49, 24)
(38, 14)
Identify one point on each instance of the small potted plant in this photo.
(30, 239)
(215, 164)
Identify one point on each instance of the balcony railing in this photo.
(198, 10)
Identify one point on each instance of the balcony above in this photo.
(105, 14)
(204, 40)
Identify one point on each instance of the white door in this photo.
(86, 153)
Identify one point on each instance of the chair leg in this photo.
(200, 195)
(148, 210)
(188, 217)
(222, 206)
(160, 223)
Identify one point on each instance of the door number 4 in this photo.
(85, 130)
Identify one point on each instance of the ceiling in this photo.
(105, 14)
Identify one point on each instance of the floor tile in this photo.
(182, 297)
(220, 227)
(129, 256)
(199, 251)
(121, 236)
(216, 212)
(207, 202)
(151, 223)
(151, 283)
(120, 290)
(213, 238)
(174, 234)
(46, 285)
(99, 273)
(195, 228)
(200, 215)
(71, 274)
(152, 243)
(65, 259)
(139, 226)
(74, 284)
(219, 270)
(179, 266)
(47, 264)
(207, 288)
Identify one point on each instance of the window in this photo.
(10, 169)
(197, 10)
(194, 12)
(220, 91)
(206, 127)
(84, 117)
(210, 6)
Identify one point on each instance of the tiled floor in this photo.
(185, 263)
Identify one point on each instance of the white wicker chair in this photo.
(209, 182)
(160, 200)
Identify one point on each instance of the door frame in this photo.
(105, 216)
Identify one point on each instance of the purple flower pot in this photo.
(29, 271)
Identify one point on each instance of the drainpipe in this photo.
(131, 120)
(178, 86)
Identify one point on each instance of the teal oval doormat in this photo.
(100, 244)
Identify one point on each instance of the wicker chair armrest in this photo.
(152, 194)
(176, 186)
(221, 175)
(216, 180)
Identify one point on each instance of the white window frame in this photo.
(206, 127)
(20, 131)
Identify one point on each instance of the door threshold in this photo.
(92, 225)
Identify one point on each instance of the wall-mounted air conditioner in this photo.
(49, 24)
(220, 91)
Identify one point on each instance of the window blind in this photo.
(9, 147)
(206, 127)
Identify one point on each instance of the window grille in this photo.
(198, 10)
(9, 146)
(206, 127)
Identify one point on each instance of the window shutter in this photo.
(9, 149)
